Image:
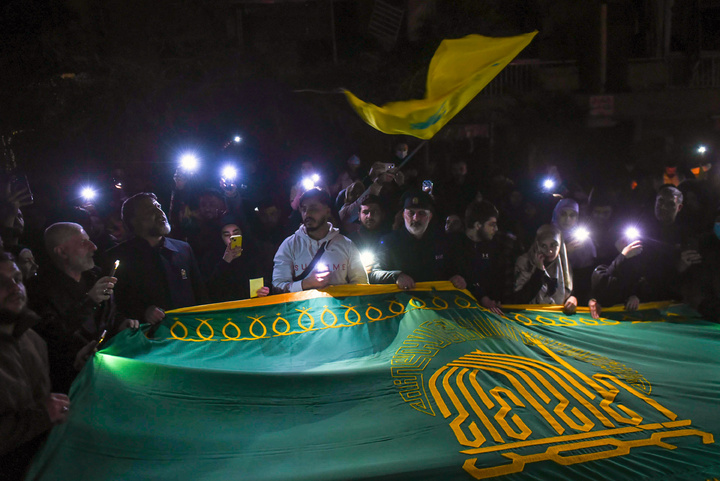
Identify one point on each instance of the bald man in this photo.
(74, 300)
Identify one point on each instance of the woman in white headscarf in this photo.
(543, 275)
(581, 251)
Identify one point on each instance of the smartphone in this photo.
(20, 182)
(427, 186)
(235, 241)
(389, 166)
(102, 338)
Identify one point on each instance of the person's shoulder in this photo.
(123, 248)
(177, 243)
(456, 239)
(31, 338)
(523, 259)
(392, 237)
(292, 242)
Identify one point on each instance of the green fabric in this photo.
(396, 385)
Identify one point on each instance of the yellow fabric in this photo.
(348, 290)
(458, 71)
(616, 308)
(330, 291)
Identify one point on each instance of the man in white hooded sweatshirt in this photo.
(316, 255)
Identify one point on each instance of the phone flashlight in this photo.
(237, 139)
(367, 258)
(308, 183)
(229, 172)
(322, 267)
(189, 162)
(548, 184)
(632, 233)
(581, 234)
(88, 194)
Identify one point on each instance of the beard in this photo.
(11, 316)
(370, 224)
(417, 229)
(314, 224)
(159, 229)
(85, 263)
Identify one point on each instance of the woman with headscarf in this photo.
(581, 251)
(543, 275)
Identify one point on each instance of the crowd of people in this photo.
(91, 272)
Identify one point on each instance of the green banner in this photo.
(368, 382)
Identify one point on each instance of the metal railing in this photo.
(643, 74)
(524, 76)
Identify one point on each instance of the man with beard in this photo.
(27, 407)
(316, 255)
(651, 268)
(74, 300)
(156, 273)
(372, 224)
(478, 256)
(412, 253)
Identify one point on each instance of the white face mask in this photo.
(401, 153)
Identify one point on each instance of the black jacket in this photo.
(400, 252)
(70, 319)
(165, 276)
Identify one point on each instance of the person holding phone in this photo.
(14, 194)
(543, 275)
(242, 260)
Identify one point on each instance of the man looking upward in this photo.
(156, 272)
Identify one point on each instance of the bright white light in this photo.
(315, 178)
(229, 172)
(237, 139)
(548, 184)
(308, 183)
(632, 233)
(88, 193)
(581, 234)
(321, 267)
(702, 149)
(257, 209)
(367, 258)
(189, 162)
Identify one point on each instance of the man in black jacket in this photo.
(412, 253)
(476, 257)
(74, 300)
(156, 273)
(649, 269)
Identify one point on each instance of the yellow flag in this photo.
(459, 70)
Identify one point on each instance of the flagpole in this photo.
(411, 154)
